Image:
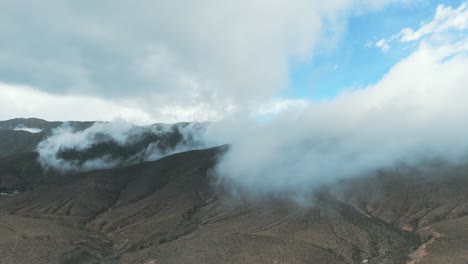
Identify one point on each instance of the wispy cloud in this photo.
(445, 19)
(28, 129)
(446, 25)
(383, 44)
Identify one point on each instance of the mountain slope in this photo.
(18, 141)
(18, 123)
(20, 172)
(14, 140)
(168, 211)
(174, 210)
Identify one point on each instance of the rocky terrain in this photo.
(175, 210)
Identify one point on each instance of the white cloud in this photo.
(167, 54)
(415, 113)
(446, 18)
(445, 26)
(23, 101)
(28, 129)
(278, 106)
(383, 44)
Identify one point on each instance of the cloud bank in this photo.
(415, 114)
(173, 61)
(25, 101)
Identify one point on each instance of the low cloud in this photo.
(28, 129)
(414, 115)
(112, 144)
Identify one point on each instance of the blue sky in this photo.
(356, 62)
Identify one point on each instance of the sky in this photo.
(155, 61)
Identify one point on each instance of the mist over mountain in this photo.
(247, 131)
(79, 146)
(114, 144)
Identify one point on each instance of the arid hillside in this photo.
(175, 210)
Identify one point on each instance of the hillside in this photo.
(39, 123)
(13, 139)
(168, 211)
(174, 210)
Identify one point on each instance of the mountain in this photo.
(16, 135)
(18, 141)
(129, 145)
(175, 210)
(141, 143)
(18, 123)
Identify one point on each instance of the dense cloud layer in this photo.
(415, 114)
(184, 60)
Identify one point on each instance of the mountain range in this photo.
(173, 208)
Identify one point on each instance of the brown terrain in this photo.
(173, 210)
